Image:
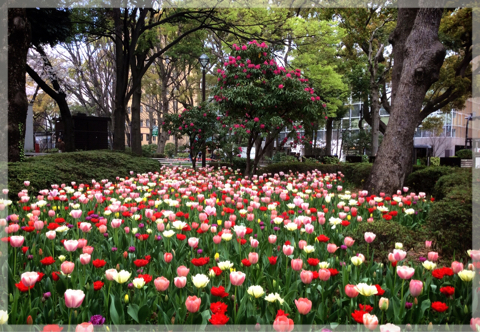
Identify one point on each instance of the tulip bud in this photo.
(166, 298)
(126, 298)
(415, 301)
(40, 252)
(383, 304)
(233, 297)
(125, 254)
(408, 327)
(465, 309)
(75, 313)
(274, 283)
(10, 297)
(374, 274)
(257, 326)
(118, 267)
(29, 320)
(430, 327)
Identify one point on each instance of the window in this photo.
(148, 124)
(148, 137)
(154, 122)
(141, 137)
(141, 109)
(356, 111)
(141, 123)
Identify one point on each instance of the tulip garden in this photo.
(212, 247)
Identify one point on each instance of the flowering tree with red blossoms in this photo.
(258, 98)
(198, 123)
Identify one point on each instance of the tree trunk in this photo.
(18, 44)
(423, 58)
(375, 107)
(136, 138)
(328, 136)
(121, 80)
(69, 130)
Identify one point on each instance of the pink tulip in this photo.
(272, 239)
(303, 305)
(399, 255)
(74, 298)
(369, 237)
(359, 218)
(324, 274)
(253, 243)
(70, 245)
(416, 287)
(116, 223)
(193, 303)
(202, 217)
(85, 227)
(193, 242)
(67, 267)
(182, 271)
(332, 247)
(457, 267)
(87, 250)
(38, 225)
(351, 291)
(253, 257)
(297, 264)
(428, 244)
(287, 250)
(348, 241)
(180, 282)
(432, 256)
(85, 259)
(302, 244)
(82, 243)
(84, 327)
(161, 284)
(204, 227)
(237, 278)
(16, 241)
(309, 228)
(370, 321)
(109, 274)
(76, 214)
(167, 257)
(473, 323)
(306, 276)
(29, 278)
(217, 239)
(391, 258)
(405, 272)
(102, 229)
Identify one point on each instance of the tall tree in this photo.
(416, 37)
(50, 27)
(18, 45)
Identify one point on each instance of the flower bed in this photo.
(211, 247)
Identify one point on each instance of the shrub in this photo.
(464, 154)
(357, 173)
(451, 222)
(158, 155)
(170, 150)
(331, 160)
(183, 155)
(240, 163)
(424, 180)
(460, 177)
(435, 161)
(148, 150)
(387, 233)
(82, 167)
(299, 167)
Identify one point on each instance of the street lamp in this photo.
(469, 118)
(204, 60)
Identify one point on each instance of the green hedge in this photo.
(464, 154)
(387, 234)
(451, 222)
(80, 167)
(461, 177)
(424, 180)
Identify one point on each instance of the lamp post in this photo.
(204, 60)
(469, 118)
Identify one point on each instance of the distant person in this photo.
(60, 145)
